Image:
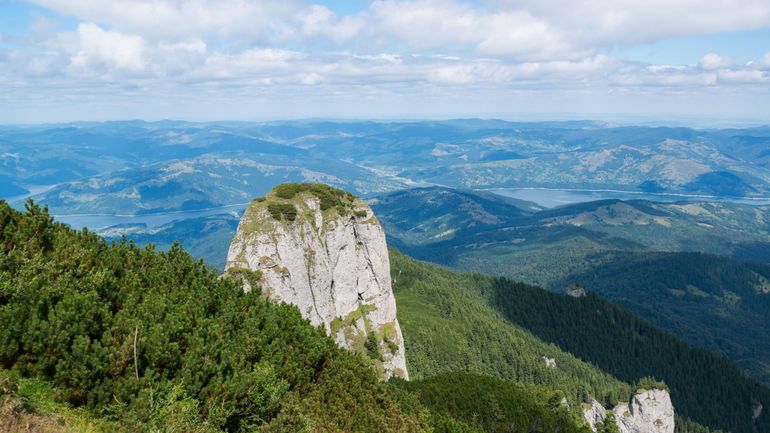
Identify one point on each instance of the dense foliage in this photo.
(140, 340)
(282, 210)
(710, 301)
(704, 386)
(469, 322)
(497, 406)
(448, 325)
(117, 328)
(328, 196)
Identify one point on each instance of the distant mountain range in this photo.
(135, 167)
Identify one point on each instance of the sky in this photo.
(699, 61)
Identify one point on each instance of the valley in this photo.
(677, 270)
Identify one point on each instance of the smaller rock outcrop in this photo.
(648, 411)
(576, 290)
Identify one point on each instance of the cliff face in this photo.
(649, 411)
(324, 251)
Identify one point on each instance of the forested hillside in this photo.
(710, 301)
(139, 340)
(449, 325)
(489, 323)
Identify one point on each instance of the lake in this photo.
(548, 197)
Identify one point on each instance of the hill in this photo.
(708, 300)
(478, 324)
(614, 247)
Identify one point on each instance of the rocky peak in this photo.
(323, 250)
(648, 411)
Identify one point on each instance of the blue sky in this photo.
(699, 61)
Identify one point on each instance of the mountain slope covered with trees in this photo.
(139, 340)
(488, 325)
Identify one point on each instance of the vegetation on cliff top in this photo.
(281, 203)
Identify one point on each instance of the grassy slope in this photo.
(28, 405)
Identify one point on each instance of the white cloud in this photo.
(248, 63)
(452, 26)
(715, 61)
(183, 19)
(743, 77)
(101, 49)
(611, 22)
(183, 48)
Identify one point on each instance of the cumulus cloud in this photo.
(100, 49)
(715, 61)
(743, 77)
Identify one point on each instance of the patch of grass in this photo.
(29, 405)
(251, 277)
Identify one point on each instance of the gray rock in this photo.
(594, 413)
(649, 411)
(549, 362)
(576, 291)
(332, 265)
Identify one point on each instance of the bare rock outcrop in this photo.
(323, 250)
(648, 411)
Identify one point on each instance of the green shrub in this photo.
(494, 405)
(372, 348)
(609, 425)
(253, 277)
(282, 210)
(647, 383)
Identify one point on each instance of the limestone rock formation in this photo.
(594, 413)
(323, 250)
(649, 411)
